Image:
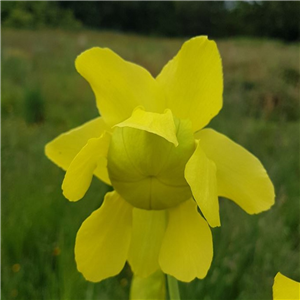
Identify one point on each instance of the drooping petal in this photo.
(193, 82)
(65, 147)
(187, 248)
(119, 86)
(150, 288)
(80, 173)
(148, 229)
(161, 124)
(285, 288)
(103, 240)
(240, 175)
(200, 173)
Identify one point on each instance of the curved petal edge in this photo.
(240, 175)
(187, 247)
(103, 240)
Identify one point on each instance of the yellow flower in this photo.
(285, 288)
(150, 145)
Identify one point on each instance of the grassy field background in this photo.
(43, 96)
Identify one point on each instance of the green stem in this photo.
(173, 288)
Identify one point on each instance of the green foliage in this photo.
(276, 19)
(34, 106)
(39, 225)
(37, 14)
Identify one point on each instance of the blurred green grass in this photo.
(261, 112)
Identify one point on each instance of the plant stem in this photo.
(173, 288)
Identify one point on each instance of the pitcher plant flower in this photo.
(151, 146)
(285, 288)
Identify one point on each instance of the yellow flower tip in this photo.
(47, 150)
(54, 154)
(285, 288)
(85, 54)
(69, 194)
(82, 59)
(200, 39)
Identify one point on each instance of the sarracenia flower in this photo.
(285, 288)
(150, 145)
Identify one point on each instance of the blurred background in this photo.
(43, 96)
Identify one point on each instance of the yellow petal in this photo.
(187, 248)
(119, 86)
(240, 175)
(79, 174)
(193, 82)
(148, 229)
(65, 147)
(103, 239)
(161, 124)
(150, 288)
(285, 288)
(200, 173)
(101, 170)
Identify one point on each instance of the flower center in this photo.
(147, 170)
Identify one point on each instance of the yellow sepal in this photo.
(193, 82)
(240, 175)
(119, 86)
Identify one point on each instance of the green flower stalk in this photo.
(150, 145)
